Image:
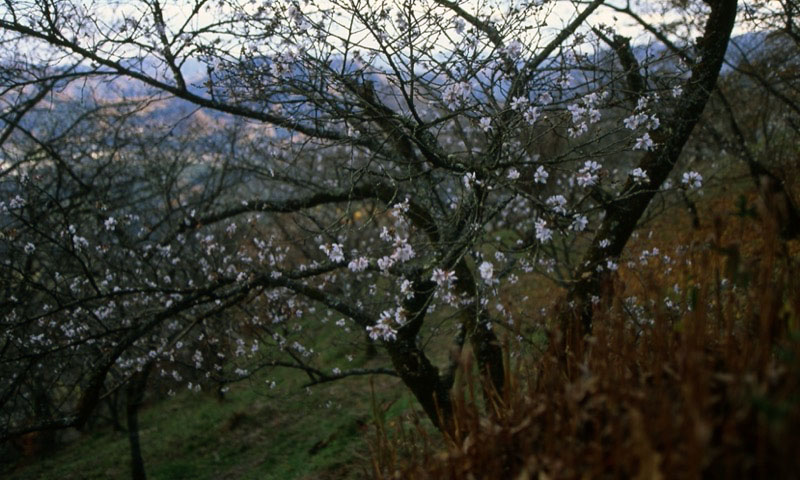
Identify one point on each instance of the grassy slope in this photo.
(254, 433)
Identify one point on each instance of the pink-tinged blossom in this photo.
(403, 252)
(541, 175)
(400, 317)
(486, 124)
(578, 130)
(692, 180)
(333, 251)
(385, 263)
(381, 331)
(513, 174)
(358, 265)
(443, 278)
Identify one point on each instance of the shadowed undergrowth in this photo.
(691, 370)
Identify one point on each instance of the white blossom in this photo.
(486, 270)
(519, 103)
(541, 175)
(557, 203)
(443, 278)
(358, 265)
(579, 223)
(543, 234)
(531, 115)
(692, 179)
(333, 251)
(639, 176)
(588, 174)
(644, 143)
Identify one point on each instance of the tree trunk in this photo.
(485, 344)
(624, 212)
(135, 391)
(422, 378)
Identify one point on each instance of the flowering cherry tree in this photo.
(378, 169)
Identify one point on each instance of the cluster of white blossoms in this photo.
(558, 203)
(541, 175)
(579, 223)
(443, 278)
(530, 113)
(692, 179)
(386, 327)
(585, 112)
(456, 94)
(543, 233)
(640, 119)
(283, 63)
(486, 270)
(358, 264)
(469, 179)
(334, 252)
(588, 175)
(639, 176)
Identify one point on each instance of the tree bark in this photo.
(422, 378)
(485, 344)
(135, 391)
(624, 212)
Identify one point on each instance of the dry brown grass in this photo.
(710, 389)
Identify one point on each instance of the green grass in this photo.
(255, 433)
